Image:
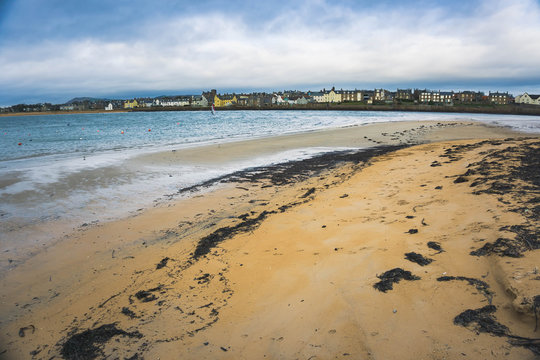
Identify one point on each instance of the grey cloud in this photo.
(213, 50)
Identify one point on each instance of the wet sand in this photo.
(284, 262)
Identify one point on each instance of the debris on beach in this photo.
(435, 246)
(162, 263)
(460, 179)
(308, 193)
(23, 330)
(89, 343)
(418, 258)
(412, 231)
(482, 320)
(126, 311)
(146, 295)
(512, 174)
(210, 241)
(393, 276)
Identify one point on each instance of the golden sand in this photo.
(300, 282)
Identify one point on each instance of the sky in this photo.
(54, 50)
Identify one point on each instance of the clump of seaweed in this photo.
(418, 258)
(393, 276)
(162, 263)
(482, 321)
(501, 247)
(88, 344)
(146, 295)
(435, 246)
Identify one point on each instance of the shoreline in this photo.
(254, 292)
(44, 233)
(510, 109)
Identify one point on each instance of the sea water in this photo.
(87, 167)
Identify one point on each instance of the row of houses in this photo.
(294, 97)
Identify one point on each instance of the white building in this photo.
(317, 96)
(528, 99)
(438, 97)
(109, 107)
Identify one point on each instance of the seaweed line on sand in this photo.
(480, 285)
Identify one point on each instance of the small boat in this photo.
(213, 110)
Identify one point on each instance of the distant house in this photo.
(437, 97)
(381, 95)
(243, 100)
(278, 99)
(131, 104)
(332, 96)
(225, 100)
(350, 95)
(528, 99)
(70, 107)
(199, 100)
(109, 107)
(303, 100)
(500, 98)
(260, 99)
(404, 94)
(368, 95)
(175, 101)
(468, 96)
(317, 96)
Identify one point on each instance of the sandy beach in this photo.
(423, 247)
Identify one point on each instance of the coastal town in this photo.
(288, 99)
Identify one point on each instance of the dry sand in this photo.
(285, 267)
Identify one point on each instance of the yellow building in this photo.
(131, 104)
(225, 100)
(332, 96)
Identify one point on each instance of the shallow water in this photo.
(92, 167)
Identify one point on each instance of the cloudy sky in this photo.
(51, 51)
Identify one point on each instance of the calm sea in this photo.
(81, 166)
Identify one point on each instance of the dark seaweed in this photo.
(309, 192)
(412, 231)
(87, 344)
(393, 276)
(146, 295)
(298, 170)
(531, 344)
(435, 246)
(126, 311)
(418, 258)
(460, 179)
(536, 308)
(203, 279)
(502, 247)
(513, 173)
(162, 263)
(210, 241)
(480, 285)
(482, 321)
